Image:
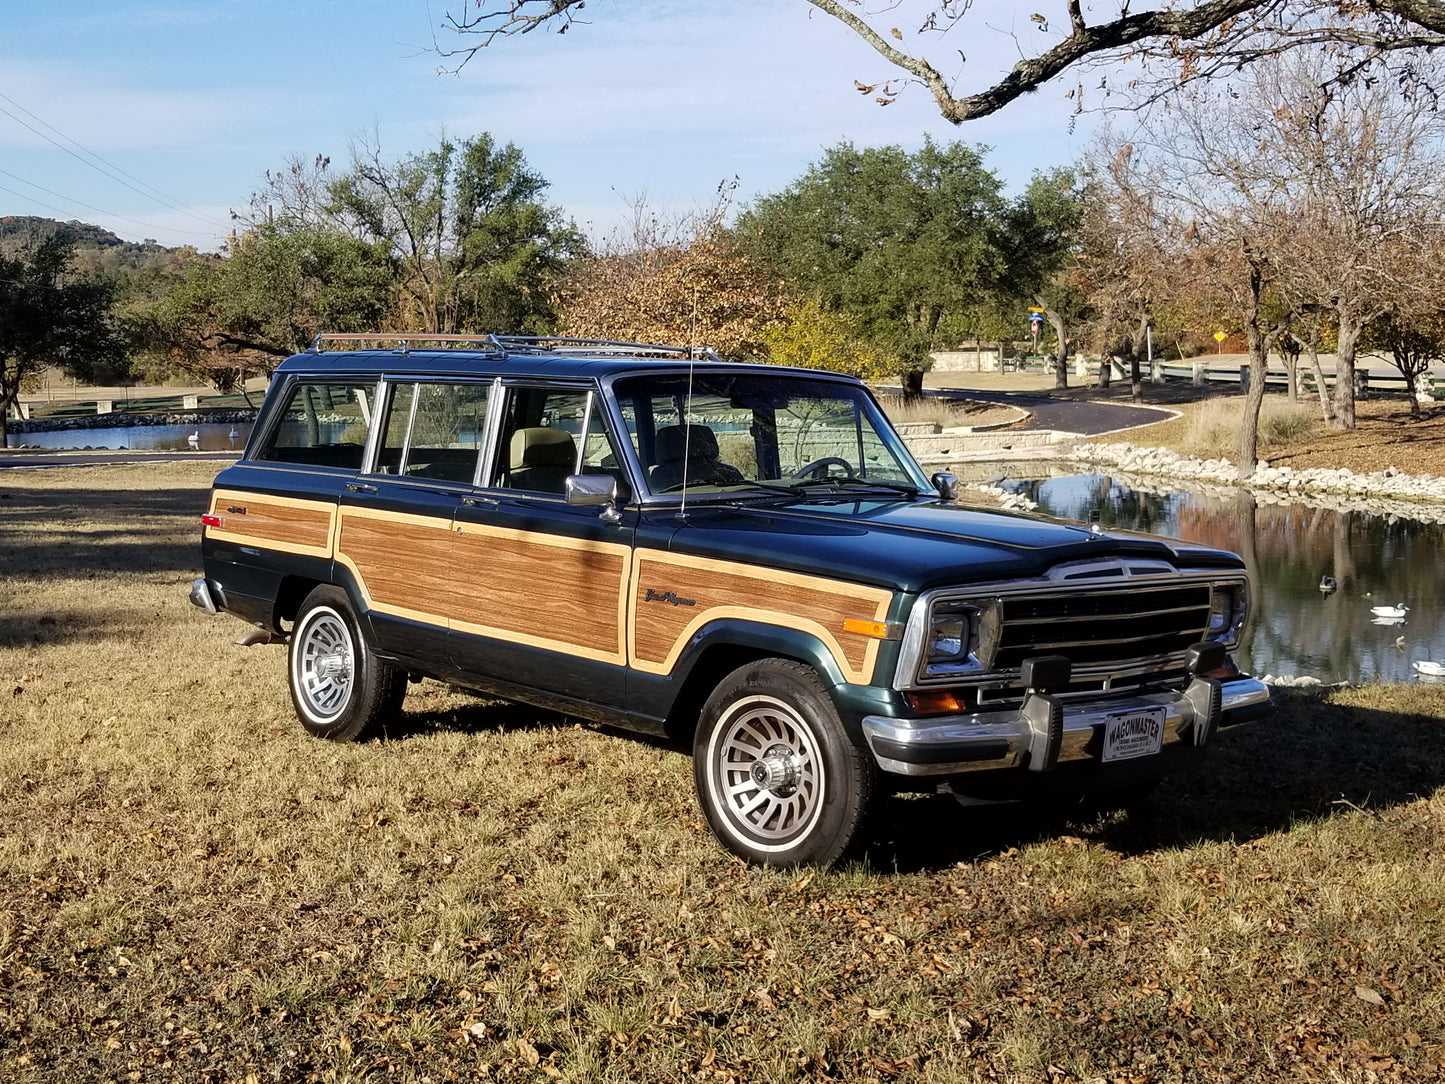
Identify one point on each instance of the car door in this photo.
(395, 530)
(541, 585)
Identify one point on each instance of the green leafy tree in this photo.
(895, 240)
(475, 247)
(283, 283)
(48, 316)
(1044, 235)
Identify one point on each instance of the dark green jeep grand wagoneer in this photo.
(745, 555)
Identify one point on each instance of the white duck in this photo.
(194, 440)
(1389, 611)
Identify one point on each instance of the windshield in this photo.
(725, 432)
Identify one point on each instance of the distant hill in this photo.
(98, 250)
(25, 227)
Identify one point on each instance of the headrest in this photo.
(701, 444)
(542, 446)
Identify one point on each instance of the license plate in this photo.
(1133, 734)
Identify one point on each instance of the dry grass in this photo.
(1212, 427)
(948, 413)
(191, 889)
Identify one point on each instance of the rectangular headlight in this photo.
(1228, 607)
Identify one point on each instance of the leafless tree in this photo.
(1365, 168)
(1130, 262)
(1287, 194)
(1174, 43)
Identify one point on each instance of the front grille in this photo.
(1103, 627)
(1119, 626)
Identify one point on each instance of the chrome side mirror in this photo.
(594, 491)
(947, 485)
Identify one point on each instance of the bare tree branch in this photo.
(1197, 40)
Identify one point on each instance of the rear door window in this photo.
(434, 430)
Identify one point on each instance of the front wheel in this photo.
(340, 690)
(778, 779)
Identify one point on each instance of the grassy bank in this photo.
(191, 889)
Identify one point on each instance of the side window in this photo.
(434, 430)
(541, 430)
(322, 425)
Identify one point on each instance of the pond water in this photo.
(221, 437)
(1299, 630)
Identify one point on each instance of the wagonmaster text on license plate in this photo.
(1137, 734)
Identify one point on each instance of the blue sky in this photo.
(667, 98)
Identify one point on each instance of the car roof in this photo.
(528, 357)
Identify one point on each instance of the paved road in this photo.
(103, 458)
(1068, 415)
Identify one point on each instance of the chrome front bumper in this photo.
(950, 744)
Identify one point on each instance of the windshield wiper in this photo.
(840, 483)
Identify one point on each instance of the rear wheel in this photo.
(778, 779)
(340, 690)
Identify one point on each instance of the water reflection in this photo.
(1294, 552)
(218, 437)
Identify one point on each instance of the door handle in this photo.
(480, 502)
(360, 487)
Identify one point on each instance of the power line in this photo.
(107, 168)
(87, 206)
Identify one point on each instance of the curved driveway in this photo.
(1086, 417)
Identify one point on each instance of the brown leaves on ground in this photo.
(193, 890)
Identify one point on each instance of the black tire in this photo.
(777, 777)
(340, 690)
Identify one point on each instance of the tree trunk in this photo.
(1405, 363)
(1345, 373)
(1258, 367)
(1289, 352)
(1136, 350)
(1327, 406)
(1253, 399)
(913, 384)
(1061, 355)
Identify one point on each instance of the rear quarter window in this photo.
(323, 424)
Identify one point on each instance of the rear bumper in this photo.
(952, 744)
(201, 597)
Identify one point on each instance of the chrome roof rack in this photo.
(403, 341)
(520, 344)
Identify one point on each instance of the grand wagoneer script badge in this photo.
(668, 596)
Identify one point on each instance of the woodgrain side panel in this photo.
(563, 593)
(288, 524)
(547, 591)
(674, 595)
(401, 562)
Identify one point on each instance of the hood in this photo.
(908, 545)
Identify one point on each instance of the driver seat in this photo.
(689, 454)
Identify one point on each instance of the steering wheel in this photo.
(818, 470)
